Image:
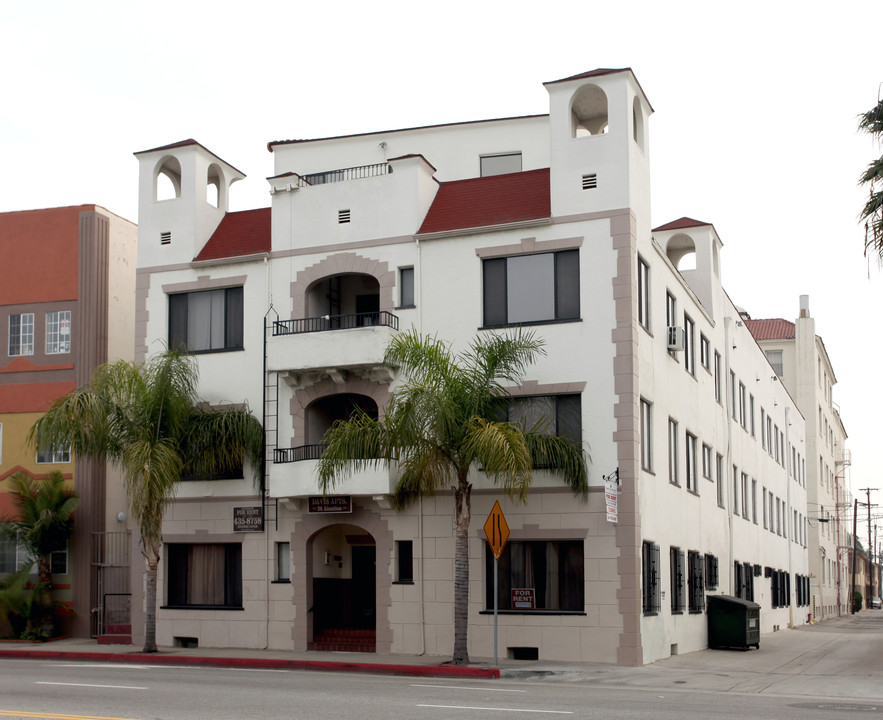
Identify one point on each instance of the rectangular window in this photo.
(206, 321)
(643, 293)
(204, 575)
(745, 497)
(671, 315)
(531, 288)
(717, 377)
(283, 562)
(58, 332)
(692, 485)
(689, 345)
(734, 407)
(21, 334)
(559, 415)
(673, 452)
(735, 490)
(650, 574)
(58, 562)
(762, 433)
(676, 565)
(776, 439)
(552, 570)
(13, 556)
(406, 287)
(696, 581)
(766, 520)
(404, 561)
(53, 454)
(711, 572)
(775, 359)
(754, 501)
(751, 414)
(743, 415)
(501, 164)
(720, 480)
(706, 462)
(646, 436)
(705, 352)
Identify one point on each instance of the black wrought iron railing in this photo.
(352, 173)
(335, 322)
(296, 454)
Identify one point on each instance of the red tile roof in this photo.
(775, 329)
(680, 224)
(239, 234)
(488, 201)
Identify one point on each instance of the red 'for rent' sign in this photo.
(524, 599)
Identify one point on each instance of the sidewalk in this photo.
(838, 658)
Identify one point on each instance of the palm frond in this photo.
(216, 440)
(352, 445)
(561, 456)
(500, 449)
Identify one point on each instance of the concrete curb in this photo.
(261, 663)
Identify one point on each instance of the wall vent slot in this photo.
(590, 182)
(165, 238)
(343, 216)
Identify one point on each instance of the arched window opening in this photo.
(168, 179)
(681, 250)
(213, 186)
(589, 111)
(638, 124)
(324, 412)
(353, 300)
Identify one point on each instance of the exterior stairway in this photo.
(116, 635)
(344, 640)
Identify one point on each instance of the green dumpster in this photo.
(733, 622)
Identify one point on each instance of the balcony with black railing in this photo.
(325, 323)
(356, 342)
(293, 474)
(351, 173)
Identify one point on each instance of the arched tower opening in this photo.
(324, 412)
(638, 124)
(681, 250)
(214, 184)
(588, 111)
(167, 179)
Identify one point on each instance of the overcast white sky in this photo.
(754, 129)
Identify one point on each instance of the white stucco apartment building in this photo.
(800, 359)
(457, 230)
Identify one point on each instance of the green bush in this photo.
(857, 601)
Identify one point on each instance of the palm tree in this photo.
(442, 422)
(43, 524)
(148, 421)
(871, 122)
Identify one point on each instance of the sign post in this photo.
(497, 533)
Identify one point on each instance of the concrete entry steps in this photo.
(345, 640)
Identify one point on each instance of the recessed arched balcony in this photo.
(344, 330)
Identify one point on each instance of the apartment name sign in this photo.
(319, 504)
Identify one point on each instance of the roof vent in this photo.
(165, 238)
(590, 182)
(343, 216)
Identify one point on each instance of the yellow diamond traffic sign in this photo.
(496, 530)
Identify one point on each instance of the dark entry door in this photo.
(364, 586)
(367, 308)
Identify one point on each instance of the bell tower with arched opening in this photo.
(693, 247)
(184, 192)
(599, 144)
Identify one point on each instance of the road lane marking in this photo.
(498, 709)
(55, 716)
(464, 687)
(114, 687)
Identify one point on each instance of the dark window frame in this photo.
(180, 570)
(233, 322)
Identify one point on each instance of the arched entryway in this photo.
(343, 589)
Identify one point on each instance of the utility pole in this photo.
(869, 580)
(852, 584)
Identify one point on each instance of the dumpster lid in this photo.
(730, 600)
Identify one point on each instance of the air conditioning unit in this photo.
(675, 338)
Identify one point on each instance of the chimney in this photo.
(804, 306)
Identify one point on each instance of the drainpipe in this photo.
(418, 279)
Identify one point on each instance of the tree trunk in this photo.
(463, 514)
(45, 612)
(150, 601)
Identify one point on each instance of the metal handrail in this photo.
(296, 454)
(324, 323)
(351, 173)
